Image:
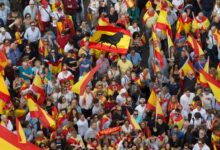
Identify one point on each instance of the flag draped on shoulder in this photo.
(111, 39)
(8, 141)
(103, 21)
(151, 103)
(194, 45)
(20, 132)
(38, 88)
(129, 3)
(187, 66)
(132, 121)
(55, 67)
(4, 93)
(213, 84)
(80, 86)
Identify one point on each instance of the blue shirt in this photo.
(28, 71)
(84, 66)
(14, 55)
(136, 59)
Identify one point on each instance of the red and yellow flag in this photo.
(176, 120)
(54, 112)
(111, 39)
(183, 25)
(194, 45)
(80, 86)
(148, 5)
(9, 141)
(218, 72)
(132, 121)
(198, 24)
(108, 131)
(43, 51)
(202, 79)
(103, 21)
(4, 94)
(103, 121)
(3, 62)
(32, 106)
(38, 88)
(18, 39)
(188, 66)
(213, 84)
(169, 40)
(147, 16)
(155, 67)
(159, 111)
(20, 132)
(129, 3)
(40, 23)
(55, 67)
(46, 119)
(151, 103)
(217, 37)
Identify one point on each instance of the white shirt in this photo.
(127, 130)
(141, 110)
(65, 76)
(89, 99)
(32, 12)
(120, 100)
(185, 101)
(202, 112)
(68, 47)
(56, 16)
(5, 36)
(177, 3)
(132, 29)
(45, 13)
(196, 147)
(207, 100)
(8, 125)
(32, 35)
(122, 8)
(82, 127)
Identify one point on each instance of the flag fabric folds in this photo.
(108, 131)
(3, 62)
(159, 111)
(38, 88)
(188, 66)
(43, 51)
(213, 84)
(32, 106)
(55, 67)
(45, 118)
(194, 45)
(129, 3)
(151, 103)
(4, 94)
(202, 79)
(132, 121)
(169, 40)
(103, 21)
(8, 141)
(20, 132)
(80, 86)
(111, 39)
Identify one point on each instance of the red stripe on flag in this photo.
(4, 97)
(112, 29)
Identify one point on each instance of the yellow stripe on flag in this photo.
(6, 145)
(20, 132)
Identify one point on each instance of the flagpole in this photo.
(156, 113)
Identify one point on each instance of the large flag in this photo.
(55, 67)
(4, 94)
(188, 66)
(45, 118)
(103, 21)
(176, 120)
(9, 141)
(159, 111)
(202, 79)
(108, 131)
(213, 84)
(169, 40)
(194, 45)
(20, 132)
(32, 106)
(129, 3)
(38, 88)
(151, 103)
(80, 86)
(163, 23)
(132, 121)
(3, 62)
(147, 16)
(157, 51)
(218, 72)
(112, 39)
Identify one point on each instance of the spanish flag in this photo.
(163, 24)
(213, 84)
(176, 120)
(159, 111)
(55, 5)
(148, 5)
(18, 39)
(46, 119)
(54, 112)
(202, 79)
(129, 3)
(132, 121)
(4, 94)
(32, 106)
(155, 67)
(2, 105)
(20, 132)
(55, 67)
(188, 66)
(108, 131)
(217, 37)
(103, 21)
(103, 121)
(194, 45)
(9, 141)
(3, 62)
(80, 86)
(151, 103)
(111, 39)
(147, 16)
(38, 88)
(157, 51)
(218, 72)
(183, 25)
(143, 39)
(198, 24)
(67, 22)
(170, 41)
(43, 51)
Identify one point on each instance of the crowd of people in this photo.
(51, 38)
